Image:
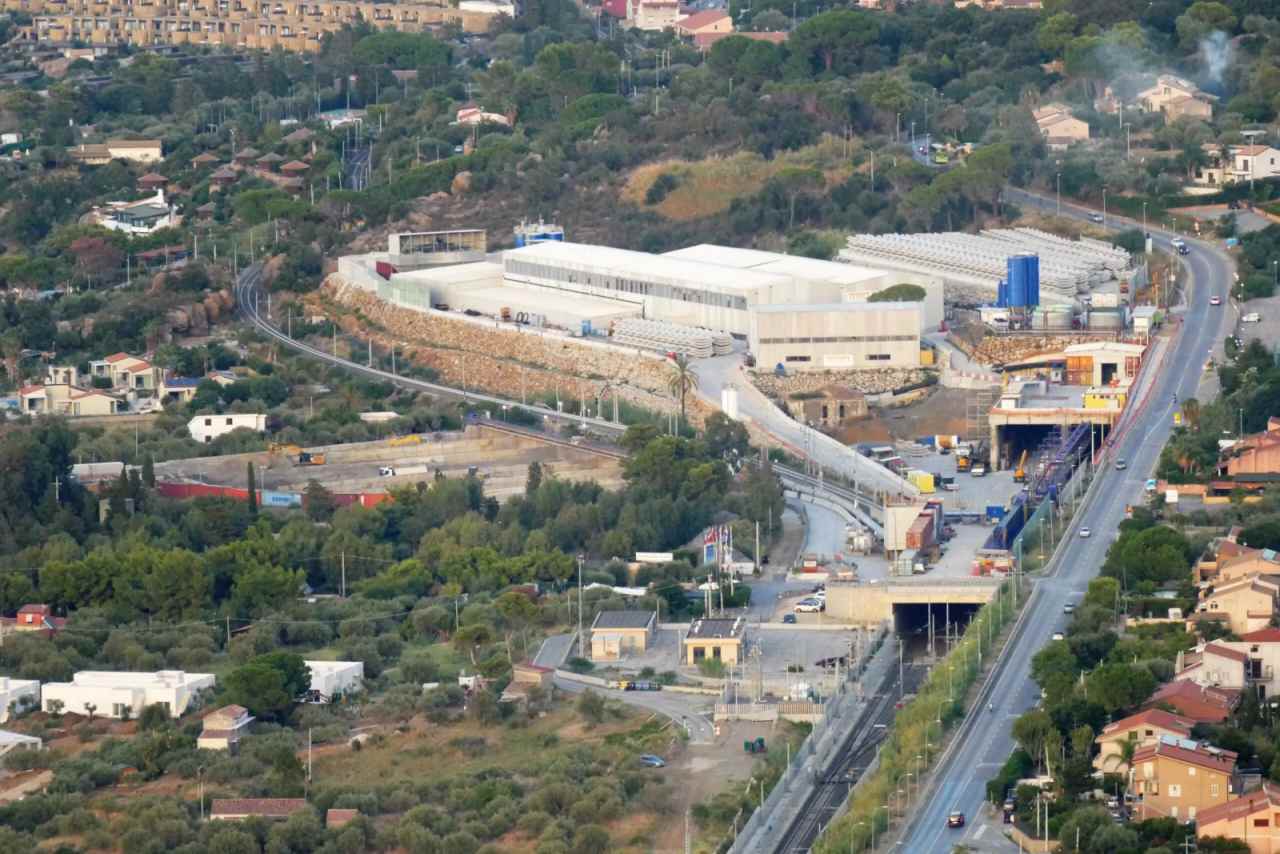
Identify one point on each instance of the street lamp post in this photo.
(1104, 207)
(1059, 176)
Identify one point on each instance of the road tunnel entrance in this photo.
(918, 624)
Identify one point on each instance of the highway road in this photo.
(984, 741)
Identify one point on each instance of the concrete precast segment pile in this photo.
(972, 265)
(672, 338)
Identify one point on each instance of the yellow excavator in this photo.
(1020, 473)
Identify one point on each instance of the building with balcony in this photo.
(1253, 818)
(256, 24)
(1177, 778)
(1144, 728)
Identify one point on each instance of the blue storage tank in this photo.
(1002, 294)
(1023, 271)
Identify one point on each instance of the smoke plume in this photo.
(1215, 53)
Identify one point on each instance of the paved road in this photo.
(985, 742)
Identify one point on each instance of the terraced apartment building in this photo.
(263, 24)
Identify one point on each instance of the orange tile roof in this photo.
(1267, 798)
(1151, 717)
(1267, 635)
(1225, 652)
(1212, 758)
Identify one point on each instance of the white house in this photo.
(206, 428)
(14, 740)
(330, 679)
(113, 693)
(142, 217)
(16, 695)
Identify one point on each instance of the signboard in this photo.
(1102, 300)
(280, 499)
(654, 557)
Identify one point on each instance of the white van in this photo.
(1251, 317)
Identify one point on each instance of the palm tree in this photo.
(682, 381)
(1128, 747)
(1191, 413)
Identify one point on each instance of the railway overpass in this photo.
(907, 600)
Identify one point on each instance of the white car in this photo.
(1095, 217)
(1068, 608)
(1059, 636)
(1086, 533)
(808, 606)
(1251, 317)
(1215, 300)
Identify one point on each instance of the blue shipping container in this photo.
(281, 499)
(995, 512)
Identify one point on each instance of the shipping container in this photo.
(922, 480)
(384, 269)
(920, 535)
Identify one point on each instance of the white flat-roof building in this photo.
(206, 428)
(330, 679)
(13, 740)
(844, 282)
(691, 293)
(16, 695)
(112, 692)
(837, 336)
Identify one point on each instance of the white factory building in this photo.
(112, 694)
(810, 314)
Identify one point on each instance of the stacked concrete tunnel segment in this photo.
(971, 266)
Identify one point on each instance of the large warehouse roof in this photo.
(808, 269)
(480, 272)
(832, 307)
(626, 262)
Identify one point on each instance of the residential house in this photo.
(10, 741)
(16, 695)
(143, 217)
(120, 694)
(331, 680)
(1243, 563)
(1249, 603)
(1144, 728)
(33, 618)
(831, 406)
(1258, 454)
(1237, 164)
(69, 400)
(1200, 703)
(206, 428)
(62, 375)
(127, 373)
(203, 159)
(472, 115)
(1178, 778)
(1059, 127)
(705, 22)
(1216, 664)
(615, 634)
(180, 389)
(1253, 818)
(238, 809)
(655, 15)
(223, 728)
(335, 818)
(1176, 98)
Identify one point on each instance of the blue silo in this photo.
(1002, 295)
(1023, 271)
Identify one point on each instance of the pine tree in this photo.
(149, 472)
(253, 492)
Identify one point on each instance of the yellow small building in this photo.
(618, 633)
(1106, 397)
(714, 640)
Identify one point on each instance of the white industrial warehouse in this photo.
(972, 265)
(803, 313)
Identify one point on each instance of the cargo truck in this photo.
(310, 458)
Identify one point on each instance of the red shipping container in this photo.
(384, 269)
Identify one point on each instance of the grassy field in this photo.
(707, 187)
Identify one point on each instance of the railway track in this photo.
(849, 763)
(246, 289)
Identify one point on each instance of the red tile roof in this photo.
(1267, 798)
(1151, 717)
(1225, 652)
(1201, 704)
(338, 818)
(615, 9)
(117, 357)
(702, 19)
(1267, 635)
(270, 807)
(1212, 758)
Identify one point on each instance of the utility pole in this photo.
(581, 648)
(343, 554)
